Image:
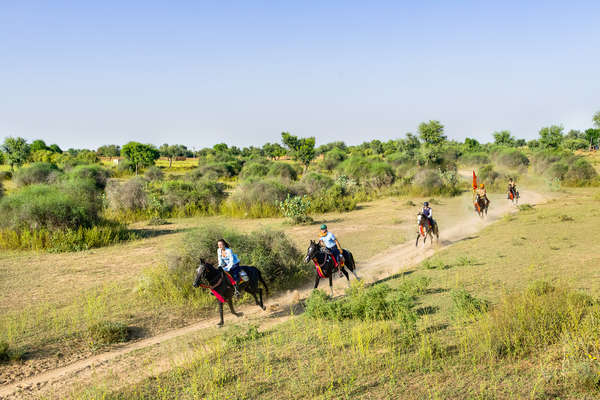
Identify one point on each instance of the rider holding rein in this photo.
(428, 213)
(482, 193)
(329, 240)
(512, 187)
(229, 261)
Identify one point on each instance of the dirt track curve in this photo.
(60, 381)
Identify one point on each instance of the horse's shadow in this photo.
(394, 276)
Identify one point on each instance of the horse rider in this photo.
(512, 187)
(229, 261)
(333, 245)
(482, 193)
(427, 212)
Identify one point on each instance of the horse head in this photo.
(311, 252)
(420, 218)
(201, 271)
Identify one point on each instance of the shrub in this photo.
(512, 158)
(334, 198)
(564, 167)
(68, 205)
(270, 251)
(475, 158)
(9, 354)
(487, 175)
(467, 306)
(107, 332)
(190, 198)
(377, 302)
(5, 175)
(333, 158)
(399, 158)
(125, 167)
(580, 172)
(428, 182)
(98, 174)
(296, 208)
(283, 170)
(255, 169)
(37, 173)
(127, 196)
(64, 240)
(525, 322)
(312, 183)
(256, 199)
(154, 173)
(216, 170)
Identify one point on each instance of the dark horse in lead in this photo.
(325, 265)
(221, 287)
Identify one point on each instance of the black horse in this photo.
(426, 229)
(481, 205)
(325, 266)
(513, 194)
(222, 288)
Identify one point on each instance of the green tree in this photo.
(596, 120)
(172, 151)
(37, 145)
(17, 151)
(55, 149)
(302, 149)
(591, 135)
(504, 138)
(472, 144)
(140, 154)
(432, 133)
(551, 137)
(273, 150)
(109, 150)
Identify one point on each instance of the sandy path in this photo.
(123, 364)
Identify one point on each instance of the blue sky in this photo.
(83, 74)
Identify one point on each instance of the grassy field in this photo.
(501, 269)
(48, 301)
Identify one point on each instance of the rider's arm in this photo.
(220, 257)
(229, 259)
(339, 246)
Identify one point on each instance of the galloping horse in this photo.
(425, 229)
(325, 265)
(221, 285)
(481, 206)
(513, 195)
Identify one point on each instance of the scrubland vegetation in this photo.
(509, 313)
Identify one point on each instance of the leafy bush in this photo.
(283, 170)
(127, 196)
(94, 172)
(270, 251)
(334, 198)
(366, 171)
(312, 183)
(332, 158)
(5, 175)
(564, 167)
(377, 302)
(125, 167)
(511, 158)
(216, 170)
(68, 205)
(467, 306)
(487, 175)
(255, 169)
(64, 240)
(154, 173)
(9, 354)
(256, 199)
(107, 332)
(37, 173)
(296, 208)
(186, 199)
(580, 172)
(475, 158)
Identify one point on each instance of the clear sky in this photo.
(87, 73)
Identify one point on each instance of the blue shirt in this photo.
(329, 240)
(229, 260)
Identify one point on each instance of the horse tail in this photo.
(260, 278)
(350, 262)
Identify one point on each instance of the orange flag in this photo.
(474, 181)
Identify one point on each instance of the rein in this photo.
(319, 267)
(212, 288)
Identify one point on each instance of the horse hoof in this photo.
(264, 308)
(220, 325)
(240, 314)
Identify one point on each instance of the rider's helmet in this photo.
(482, 186)
(323, 227)
(426, 204)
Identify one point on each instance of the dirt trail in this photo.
(60, 381)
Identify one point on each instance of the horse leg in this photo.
(417, 242)
(261, 299)
(346, 275)
(230, 304)
(220, 324)
(354, 273)
(317, 279)
(331, 283)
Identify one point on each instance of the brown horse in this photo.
(426, 229)
(513, 195)
(481, 206)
